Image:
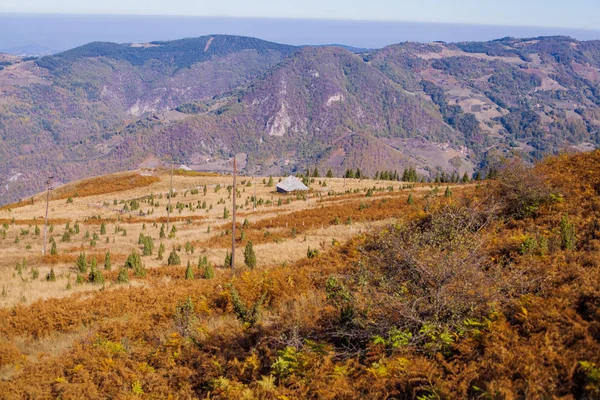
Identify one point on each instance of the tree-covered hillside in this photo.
(438, 106)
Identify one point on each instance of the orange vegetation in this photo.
(104, 184)
(493, 293)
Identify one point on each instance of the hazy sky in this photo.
(576, 14)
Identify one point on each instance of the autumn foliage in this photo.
(462, 297)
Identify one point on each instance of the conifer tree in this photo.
(107, 263)
(81, 263)
(94, 263)
(189, 272)
(249, 256)
(123, 276)
(410, 199)
(53, 249)
(209, 272)
(161, 251)
(148, 246)
(51, 277)
(103, 229)
(96, 276)
(270, 183)
(465, 178)
(174, 258)
(227, 263)
(329, 173)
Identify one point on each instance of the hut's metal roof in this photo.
(291, 184)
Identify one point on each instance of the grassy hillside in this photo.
(486, 290)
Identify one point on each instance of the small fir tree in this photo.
(209, 271)
(123, 276)
(174, 258)
(107, 264)
(189, 272)
(51, 277)
(249, 256)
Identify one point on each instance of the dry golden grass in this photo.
(95, 205)
(72, 326)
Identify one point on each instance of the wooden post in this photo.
(234, 212)
(48, 189)
(169, 199)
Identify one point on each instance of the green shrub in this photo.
(568, 237)
(161, 251)
(123, 276)
(107, 263)
(245, 314)
(312, 253)
(174, 258)
(185, 316)
(209, 271)
(134, 261)
(189, 272)
(81, 263)
(51, 277)
(96, 276)
(148, 246)
(249, 256)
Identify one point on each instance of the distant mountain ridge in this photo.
(105, 107)
(181, 53)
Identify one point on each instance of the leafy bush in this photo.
(520, 191)
(425, 278)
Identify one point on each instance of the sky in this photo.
(574, 14)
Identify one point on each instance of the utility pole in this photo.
(48, 189)
(169, 198)
(234, 212)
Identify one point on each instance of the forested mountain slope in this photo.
(105, 107)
